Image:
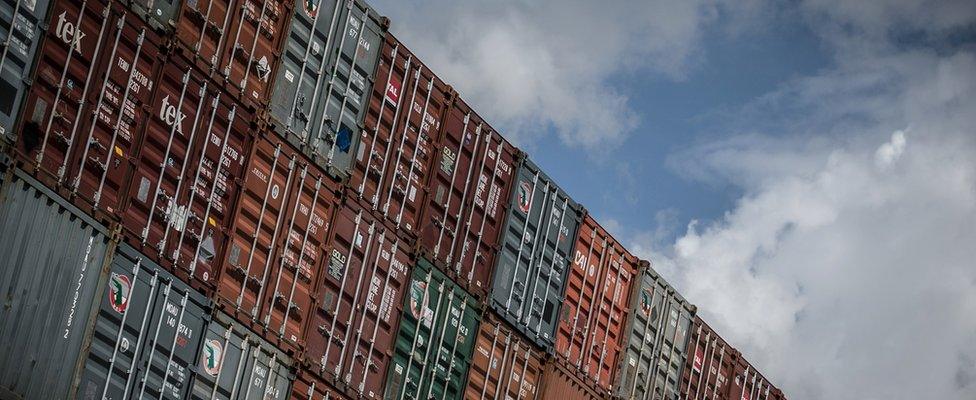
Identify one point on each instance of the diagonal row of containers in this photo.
(273, 199)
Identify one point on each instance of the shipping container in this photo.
(435, 340)
(276, 248)
(714, 369)
(595, 310)
(147, 335)
(186, 180)
(21, 27)
(504, 365)
(85, 110)
(308, 386)
(358, 306)
(654, 341)
(52, 269)
(160, 15)
(236, 364)
(325, 78)
(237, 42)
(465, 208)
(560, 382)
(534, 259)
(402, 133)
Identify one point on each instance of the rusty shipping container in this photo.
(52, 269)
(326, 76)
(356, 315)
(147, 334)
(594, 313)
(84, 113)
(537, 247)
(236, 364)
(560, 382)
(308, 386)
(237, 42)
(436, 338)
(465, 208)
(654, 341)
(714, 369)
(275, 254)
(186, 180)
(504, 365)
(21, 26)
(402, 133)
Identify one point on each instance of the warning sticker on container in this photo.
(393, 91)
(524, 197)
(213, 353)
(119, 288)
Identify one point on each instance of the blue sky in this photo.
(803, 171)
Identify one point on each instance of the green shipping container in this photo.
(438, 329)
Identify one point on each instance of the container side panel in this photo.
(50, 275)
(561, 383)
(503, 365)
(21, 26)
(252, 45)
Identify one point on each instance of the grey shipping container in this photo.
(325, 79)
(50, 272)
(655, 340)
(235, 363)
(534, 259)
(147, 335)
(21, 24)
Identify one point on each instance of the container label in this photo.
(393, 91)
(418, 298)
(697, 364)
(119, 288)
(524, 197)
(645, 302)
(213, 356)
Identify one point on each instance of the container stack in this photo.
(242, 199)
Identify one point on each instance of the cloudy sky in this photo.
(803, 171)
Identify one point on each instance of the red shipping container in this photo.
(465, 209)
(180, 196)
(237, 41)
(594, 312)
(504, 365)
(402, 131)
(84, 112)
(715, 369)
(275, 253)
(560, 383)
(355, 321)
(307, 386)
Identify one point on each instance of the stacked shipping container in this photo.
(278, 199)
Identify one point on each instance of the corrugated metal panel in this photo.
(537, 245)
(402, 133)
(469, 188)
(236, 364)
(284, 209)
(655, 340)
(559, 382)
(355, 321)
(83, 117)
(595, 310)
(307, 386)
(504, 365)
(438, 330)
(320, 94)
(50, 273)
(147, 334)
(186, 180)
(20, 27)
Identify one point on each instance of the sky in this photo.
(804, 171)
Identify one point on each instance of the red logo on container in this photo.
(311, 8)
(393, 91)
(119, 288)
(524, 197)
(697, 363)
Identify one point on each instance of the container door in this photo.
(21, 30)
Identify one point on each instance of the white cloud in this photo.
(532, 66)
(848, 268)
